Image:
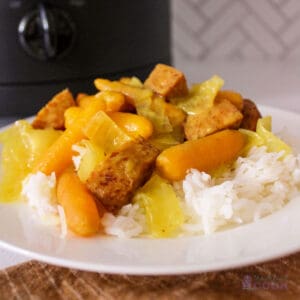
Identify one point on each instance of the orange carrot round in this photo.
(133, 124)
(83, 213)
(71, 115)
(59, 156)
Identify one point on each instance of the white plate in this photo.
(270, 237)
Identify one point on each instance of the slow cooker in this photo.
(47, 46)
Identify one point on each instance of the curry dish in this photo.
(103, 149)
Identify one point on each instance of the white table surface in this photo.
(268, 83)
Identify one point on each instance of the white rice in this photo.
(259, 184)
(40, 192)
(256, 186)
(129, 222)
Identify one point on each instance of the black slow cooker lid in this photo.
(111, 36)
(111, 39)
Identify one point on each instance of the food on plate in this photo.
(263, 136)
(52, 115)
(223, 114)
(59, 155)
(22, 148)
(200, 97)
(235, 98)
(162, 207)
(153, 158)
(204, 154)
(167, 82)
(133, 124)
(115, 180)
(251, 114)
(82, 210)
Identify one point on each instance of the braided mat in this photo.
(279, 279)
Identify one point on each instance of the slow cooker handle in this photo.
(49, 38)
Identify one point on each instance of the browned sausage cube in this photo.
(116, 179)
(251, 114)
(167, 81)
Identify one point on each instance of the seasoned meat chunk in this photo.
(222, 115)
(116, 179)
(52, 114)
(251, 114)
(167, 81)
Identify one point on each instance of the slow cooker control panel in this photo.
(46, 32)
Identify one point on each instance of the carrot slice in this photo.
(133, 124)
(71, 115)
(59, 155)
(83, 213)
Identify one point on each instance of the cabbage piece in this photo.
(201, 96)
(105, 133)
(166, 140)
(163, 212)
(132, 81)
(154, 110)
(264, 137)
(21, 149)
(90, 155)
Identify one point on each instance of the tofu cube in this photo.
(167, 81)
(52, 114)
(221, 116)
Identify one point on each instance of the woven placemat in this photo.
(279, 279)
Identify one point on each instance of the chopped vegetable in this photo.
(83, 213)
(133, 81)
(113, 100)
(105, 133)
(154, 110)
(163, 212)
(92, 156)
(22, 147)
(165, 140)
(133, 124)
(59, 155)
(166, 118)
(71, 115)
(264, 137)
(201, 96)
(205, 154)
(132, 93)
